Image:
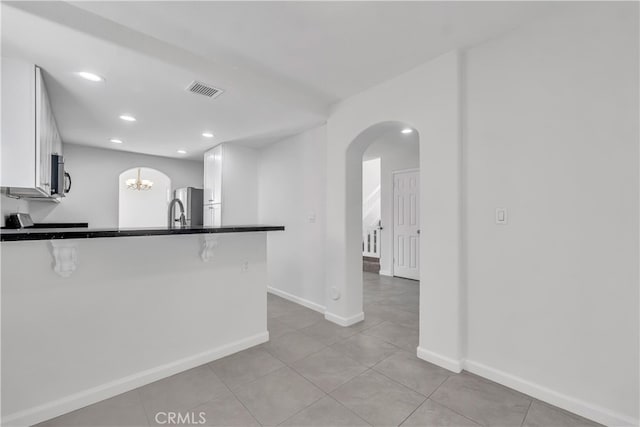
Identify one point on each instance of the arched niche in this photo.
(143, 207)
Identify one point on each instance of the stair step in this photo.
(371, 264)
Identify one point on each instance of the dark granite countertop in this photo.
(92, 233)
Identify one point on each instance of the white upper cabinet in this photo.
(213, 176)
(29, 131)
(230, 185)
(212, 197)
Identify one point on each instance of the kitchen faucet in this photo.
(182, 220)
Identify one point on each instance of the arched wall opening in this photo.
(426, 99)
(139, 207)
(354, 224)
(390, 205)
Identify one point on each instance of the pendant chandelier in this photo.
(139, 183)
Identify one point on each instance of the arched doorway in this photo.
(143, 198)
(390, 203)
(428, 99)
(391, 235)
(349, 297)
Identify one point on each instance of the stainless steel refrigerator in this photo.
(191, 199)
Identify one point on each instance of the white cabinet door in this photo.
(56, 141)
(212, 216)
(406, 225)
(47, 136)
(18, 124)
(213, 176)
(207, 195)
(29, 132)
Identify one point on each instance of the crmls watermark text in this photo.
(180, 418)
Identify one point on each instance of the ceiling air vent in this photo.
(204, 89)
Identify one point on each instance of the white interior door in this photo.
(406, 224)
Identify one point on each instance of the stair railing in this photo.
(371, 240)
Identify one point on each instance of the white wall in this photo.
(144, 208)
(396, 152)
(370, 179)
(426, 99)
(239, 185)
(552, 135)
(292, 186)
(551, 303)
(292, 193)
(9, 205)
(137, 309)
(550, 132)
(94, 193)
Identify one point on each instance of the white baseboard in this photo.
(286, 295)
(385, 273)
(445, 362)
(571, 404)
(79, 400)
(344, 321)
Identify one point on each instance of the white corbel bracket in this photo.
(209, 243)
(65, 257)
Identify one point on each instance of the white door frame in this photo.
(393, 217)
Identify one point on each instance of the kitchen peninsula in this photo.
(91, 313)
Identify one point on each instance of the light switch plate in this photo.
(501, 216)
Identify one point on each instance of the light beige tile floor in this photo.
(314, 373)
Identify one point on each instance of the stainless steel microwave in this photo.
(60, 179)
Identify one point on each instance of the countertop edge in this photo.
(40, 234)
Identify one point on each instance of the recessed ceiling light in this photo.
(207, 134)
(116, 140)
(90, 76)
(407, 130)
(128, 118)
(182, 152)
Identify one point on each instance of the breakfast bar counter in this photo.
(91, 313)
(92, 233)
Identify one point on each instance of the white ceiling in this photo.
(282, 64)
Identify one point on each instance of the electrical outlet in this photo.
(244, 267)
